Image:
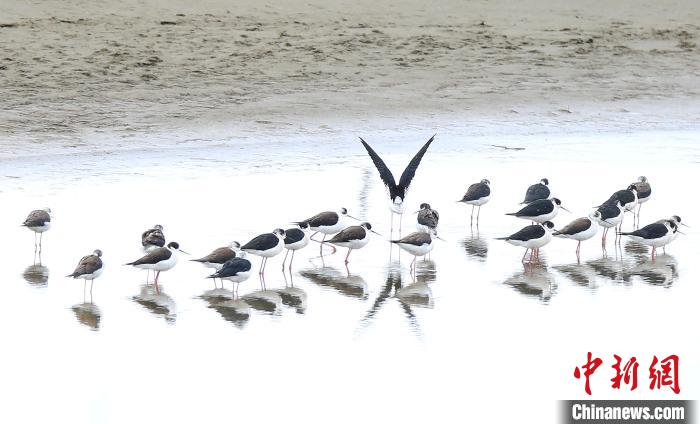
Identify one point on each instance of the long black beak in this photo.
(376, 233)
(183, 251)
(350, 216)
(685, 225)
(565, 209)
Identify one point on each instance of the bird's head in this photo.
(278, 232)
(548, 225)
(235, 246)
(158, 227)
(97, 252)
(642, 179)
(544, 181)
(485, 181)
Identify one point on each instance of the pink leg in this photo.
(347, 256)
(525, 254)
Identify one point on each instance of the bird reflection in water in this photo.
(292, 296)
(36, 274)
(87, 312)
(581, 274)
(417, 293)
(535, 280)
(343, 282)
(476, 247)
(157, 301)
(633, 263)
(264, 300)
(232, 310)
(660, 272)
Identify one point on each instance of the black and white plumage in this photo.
(540, 211)
(610, 215)
(532, 237)
(153, 238)
(158, 259)
(428, 218)
(266, 246)
(295, 239)
(580, 229)
(326, 223)
(654, 235)
(89, 267)
(477, 195)
(219, 256)
(353, 237)
(417, 244)
(38, 221)
(397, 192)
(628, 198)
(236, 270)
(539, 191)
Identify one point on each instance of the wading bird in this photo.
(38, 221)
(89, 267)
(478, 194)
(428, 218)
(266, 246)
(159, 259)
(532, 238)
(654, 235)
(539, 191)
(353, 237)
(580, 229)
(397, 192)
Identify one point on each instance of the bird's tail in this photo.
(627, 234)
(71, 275)
(503, 238)
(214, 275)
(200, 260)
(556, 233)
(512, 213)
(394, 241)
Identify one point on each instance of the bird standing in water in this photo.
(39, 221)
(397, 192)
(478, 194)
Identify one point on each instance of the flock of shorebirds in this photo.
(231, 263)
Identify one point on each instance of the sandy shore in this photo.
(105, 75)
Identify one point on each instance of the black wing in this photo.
(650, 232)
(293, 235)
(536, 208)
(625, 196)
(528, 233)
(608, 211)
(153, 257)
(384, 172)
(410, 170)
(262, 242)
(536, 192)
(476, 192)
(232, 267)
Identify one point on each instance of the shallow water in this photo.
(473, 327)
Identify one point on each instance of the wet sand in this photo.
(176, 73)
(364, 340)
